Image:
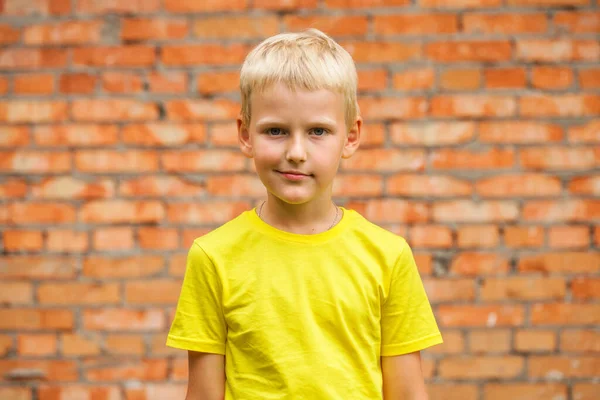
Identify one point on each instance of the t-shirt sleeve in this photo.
(199, 323)
(407, 320)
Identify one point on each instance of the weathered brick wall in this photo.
(118, 147)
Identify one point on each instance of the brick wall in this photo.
(118, 147)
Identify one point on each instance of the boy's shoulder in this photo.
(376, 234)
(226, 234)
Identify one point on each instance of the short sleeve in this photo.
(199, 323)
(407, 320)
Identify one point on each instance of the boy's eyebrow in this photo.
(329, 123)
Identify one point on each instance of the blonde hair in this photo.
(308, 60)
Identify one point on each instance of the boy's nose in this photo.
(296, 150)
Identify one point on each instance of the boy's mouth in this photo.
(294, 175)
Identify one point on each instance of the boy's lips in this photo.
(294, 175)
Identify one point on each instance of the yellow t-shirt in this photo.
(302, 316)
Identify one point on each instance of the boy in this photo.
(299, 298)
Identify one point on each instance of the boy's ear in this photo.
(244, 138)
(352, 139)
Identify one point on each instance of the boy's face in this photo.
(297, 139)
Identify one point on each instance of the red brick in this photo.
(480, 316)
(451, 391)
(202, 110)
(580, 341)
(14, 136)
(478, 236)
(154, 28)
(51, 370)
(64, 241)
(525, 391)
(532, 341)
(15, 292)
(23, 111)
(414, 79)
(158, 346)
(489, 367)
(520, 132)
(33, 84)
(475, 212)
(565, 314)
(13, 188)
(35, 162)
(36, 267)
(70, 188)
(22, 58)
(144, 370)
(504, 23)
(556, 50)
(125, 344)
(250, 185)
(431, 236)
(82, 83)
(122, 267)
(385, 160)
(41, 213)
(383, 52)
(589, 78)
(482, 51)
(3, 85)
(577, 21)
(392, 210)
(37, 345)
(563, 366)
(475, 264)
(523, 288)
(459, 3)
(121, 82)
(552, 77)
(164, 291)
(121, 211)
(372, 135)
(108, 161)
(87, 391)
(454, 343)
(505, 78)
(218, 82)
(565, 262)
(520, 236)
(178, 262)
(158, 238)
(415, 24)
(203, 54)
(391, 108)
(203, 160)
(9, 34)
(585, 288)
(365, 3)
(567, 210)
(168, 82)
(116, 238)
(585, 185)
(160, 186)
(76, 135)
(163, 134)
(114, 56)
(236, 27)
(284, 5)
(63, 33)
(464, 159)
(226, 134)
(559, 158)
(117, 319)
(36, 7)
(22, 240)
(564, 237)
(549, 3)
(339, 25)
(473, 106)
(585, 133)
(26, 319)
(6, 345)
(180, 369)
(427, 186)
(16, 393)
(489, 341)
(432, 134)
(78, 293)
(347, 186)
(117, 6)
(112, 110)
(460, 79)
(449, 290)
(585, 391)
(157, 391)
(528, 185)
(206, 212)
(206, 6)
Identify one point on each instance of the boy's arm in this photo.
(206, 376)
(403, 378)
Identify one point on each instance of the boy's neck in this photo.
(305, 219)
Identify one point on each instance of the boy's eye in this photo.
(274, 131)
(319, 131)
